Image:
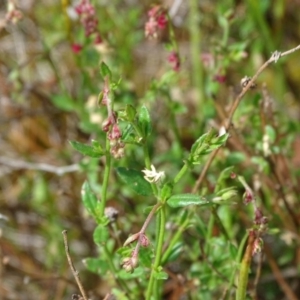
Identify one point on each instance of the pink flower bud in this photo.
(116, 132)
(144, 241)
(248, 197)
(106, 125)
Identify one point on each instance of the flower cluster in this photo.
(130, 263)
(110, 125)
(156, 22)
(87, 15)
(260, 222)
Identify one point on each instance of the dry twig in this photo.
(74, 271)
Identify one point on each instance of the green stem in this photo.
(105, 179)
(244, 269)
(158, 254)
(181, 173)
(238, 259)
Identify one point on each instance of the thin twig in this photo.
(19, 164)
(74, 271)
(274, 58)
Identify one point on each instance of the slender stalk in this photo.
(181, 173)
(74, 271)
(155, 284)
(244, 269)
(158, 254)
(105, 179)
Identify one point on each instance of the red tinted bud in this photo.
(174, 60)
(248, 197)
(116, 132)
(106, 125)
(232, 175)
(144, 241)
(257, 247)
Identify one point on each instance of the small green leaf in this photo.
(130, 113)
(183, 200)
(223, 176)
(100, 234)
(175, 252)
(97, 146)
(96, 265)
(89, 200)
(144, 121)
(145, 257)
(135, 180)
(161, 275)
(64, 102)
(198, 143)
(166, 191)
(104, 70)
(100, 98)
(137, 273)
(87, 150)
(129, 135)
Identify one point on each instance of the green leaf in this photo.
(87, 150)
(175, 252)
(161, 275)
(166, 191)
(64, 102)
(226, 173)
(206, 144)
(135, 180)
(104, 70)
(145, 257)
(130, 112)
(144, 121)
(89, 200)
(129, 135)
(97, 146)
(198, 143)
(100, 234)
(96, 265)
(183, 200)
(137, 273)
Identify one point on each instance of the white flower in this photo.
(152, 176)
